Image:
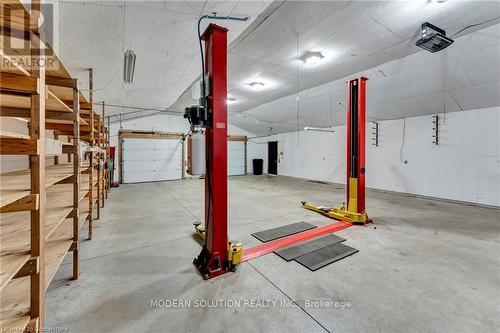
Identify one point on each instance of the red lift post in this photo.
(356, 169)
(218, 255)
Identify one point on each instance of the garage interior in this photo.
(259, 166)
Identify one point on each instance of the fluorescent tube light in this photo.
(319, 129)
(128, 66)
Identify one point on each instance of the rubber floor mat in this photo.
(325, 256)
(295, 251)
(280, 232)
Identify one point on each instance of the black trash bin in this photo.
(258, 165)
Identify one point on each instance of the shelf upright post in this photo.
(56, 157)
(76, 181)
(102, 132)
(91, 155)
(37, 178)
(69, 155)
(98, 144)
(108, 159)
(91, 100)
(91, 199)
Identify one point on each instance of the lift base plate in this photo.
(209, 265)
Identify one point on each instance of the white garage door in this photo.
(235, 158)
(147, 160)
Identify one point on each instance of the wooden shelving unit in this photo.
(43, 208)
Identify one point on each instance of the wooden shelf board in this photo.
(84, 215)
(15, 229)
(14, 303)
(86, 113)
(14, 323)
(56, 102)
(10, 265)
(52, 103)
(66, 94)
(18, 64)
(63, 195)
(57, 250)
(16, 185)
(52, 147)
(18, 16)
(10, 65)
(13, 135)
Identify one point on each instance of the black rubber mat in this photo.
(286, 230)
(294, 251)
(325, 256)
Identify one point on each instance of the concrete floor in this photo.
(424, 266)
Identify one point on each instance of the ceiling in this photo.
(354, 36)
(464, 76)
(375, 38)
(161, 33)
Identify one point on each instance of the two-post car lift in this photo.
(218, 254)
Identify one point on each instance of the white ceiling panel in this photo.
(161, 33)
(353, 35)
(372, 38)
(481, 96)
(458, 78)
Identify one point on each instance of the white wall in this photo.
(163, 123)
(257, 148)
(465, 166)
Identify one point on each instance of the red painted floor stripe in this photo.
(266, 248)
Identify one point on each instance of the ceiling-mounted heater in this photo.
(128, 66)
(432, 38)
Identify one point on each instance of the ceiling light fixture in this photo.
(312, 58)
(256, 85)
(128, 66)
(319, 129)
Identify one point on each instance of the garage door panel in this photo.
(151, 160)
(140, 176)
(236, 148)
(236, 158)
(150, 144)
(156, 154)
(152, 165)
